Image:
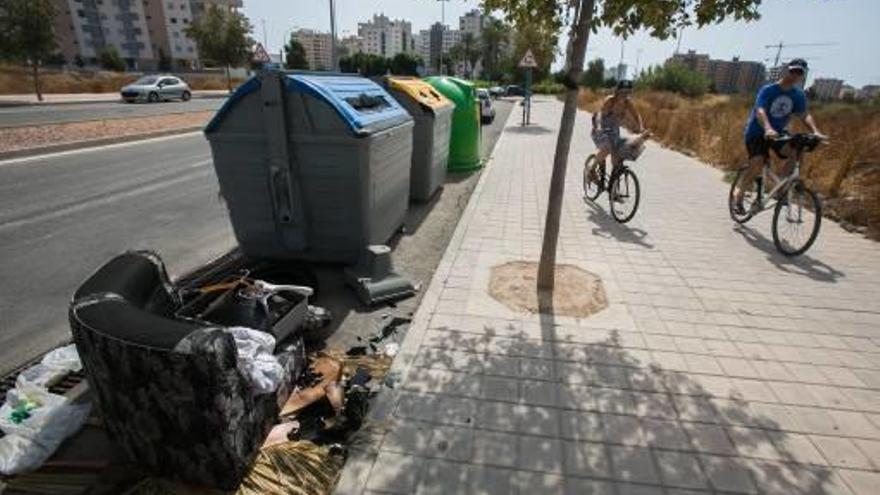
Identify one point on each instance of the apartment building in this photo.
(141, 31)
(351, 45)
(826, 88)
(472, 22)
(727, 76)
(318, 47)
(386, 37)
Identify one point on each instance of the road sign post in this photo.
(528, 63)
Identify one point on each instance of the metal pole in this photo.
(333, 61)
(265, 39)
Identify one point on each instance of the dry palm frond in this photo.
(376, 364)
(292, 468)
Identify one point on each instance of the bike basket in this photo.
(631, 148)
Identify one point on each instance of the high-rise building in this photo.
(386, 37)
(826, 88)
(617, 72)
(318, 48)
(141, 31)
(423, 46)
(472, 22)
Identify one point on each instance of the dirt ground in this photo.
(513, 284)
(19, 138)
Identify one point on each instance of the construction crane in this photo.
(782, 45)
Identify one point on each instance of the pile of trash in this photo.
(35, 420)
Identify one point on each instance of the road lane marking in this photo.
(25, 159)
(90, 203)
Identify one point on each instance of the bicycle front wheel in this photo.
(741, 210)
(624, 194)
(592, 178)
(796, 220)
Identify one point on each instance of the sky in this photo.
(851, 25)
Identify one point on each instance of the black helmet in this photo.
(624, 84)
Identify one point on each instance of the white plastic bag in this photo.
(28, 443)
(255, 359)
(53, 366)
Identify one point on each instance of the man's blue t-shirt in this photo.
(779, 105)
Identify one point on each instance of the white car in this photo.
(487, 111)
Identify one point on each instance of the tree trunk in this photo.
(228, 80)
(36, 75)
(575, 55)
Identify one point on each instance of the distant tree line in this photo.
(368, 65)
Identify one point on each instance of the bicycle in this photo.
(794, 204)
(624, 187)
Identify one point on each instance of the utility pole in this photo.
(333, 61)
(265, 38)
(638, 57)
(678, 40)
(620, 73)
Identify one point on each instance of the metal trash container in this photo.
(433, 124)
(464, 145)
(312, 166)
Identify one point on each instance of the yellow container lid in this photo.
(419, 90)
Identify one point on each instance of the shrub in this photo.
(548, 87)
(109, 59)
(675, 78)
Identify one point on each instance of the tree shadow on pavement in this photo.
(488, 407)
(799, 265)
(606, 226)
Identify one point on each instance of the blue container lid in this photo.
(361, 103)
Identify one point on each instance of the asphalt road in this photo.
(75, 112)
(62, 216)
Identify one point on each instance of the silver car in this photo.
(156, 88)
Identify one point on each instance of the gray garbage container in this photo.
(312, 167)
(433, 125)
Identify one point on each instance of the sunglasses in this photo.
(799, 72)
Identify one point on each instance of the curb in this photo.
(55, 148)
(13, 104)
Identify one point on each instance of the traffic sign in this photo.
(528, 60)
(260, 54)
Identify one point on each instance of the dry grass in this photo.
(846, 172)
(17, 80)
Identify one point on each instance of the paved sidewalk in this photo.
(718, 367)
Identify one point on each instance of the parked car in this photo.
(156, 88)
(487, 111)
(514, 90)
(497, 91)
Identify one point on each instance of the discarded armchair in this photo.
(186, 414)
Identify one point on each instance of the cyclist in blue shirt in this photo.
(775, 104)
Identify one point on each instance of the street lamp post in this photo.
(333, 60)
(442, 35)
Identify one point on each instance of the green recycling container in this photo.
(464, 145)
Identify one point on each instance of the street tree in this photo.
(27, 35)
(594, 76)
(471, 52)
(660, 18)
(494, 40)
(223, 38)
(404, 64)
(295, 57)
